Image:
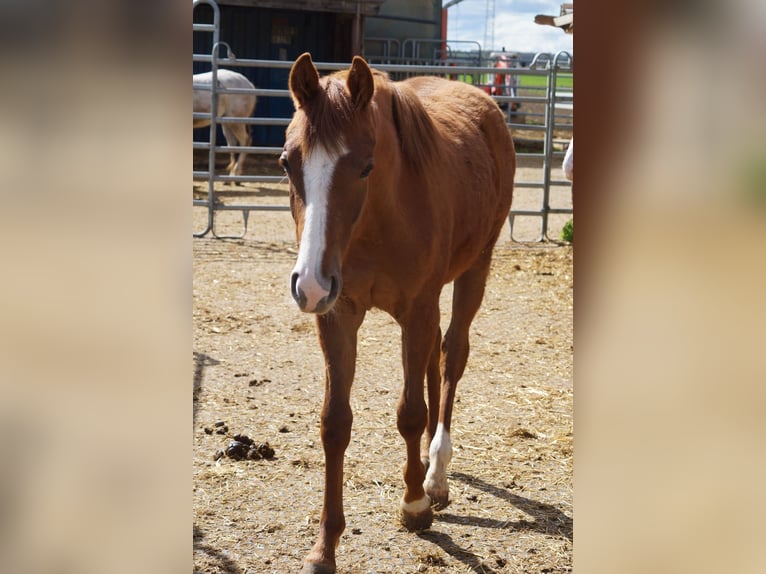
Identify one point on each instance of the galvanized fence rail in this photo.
(556, 100)
(553, 100)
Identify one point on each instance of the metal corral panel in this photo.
(275, 33)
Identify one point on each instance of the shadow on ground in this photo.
(545, 518)
(214, 557)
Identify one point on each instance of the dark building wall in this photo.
(402, 20)
(273, 34)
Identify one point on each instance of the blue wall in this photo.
(265, 34)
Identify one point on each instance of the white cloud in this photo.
(514, 27)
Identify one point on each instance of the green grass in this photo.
(567, 233)
(465, 78)
(566, 82)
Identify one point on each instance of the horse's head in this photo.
(328, 155)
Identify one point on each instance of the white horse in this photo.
(568, 163)
(233, 105)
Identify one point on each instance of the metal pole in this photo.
(213, 113)
(548, 146)
(212, 137)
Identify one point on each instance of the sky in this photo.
(514, 28)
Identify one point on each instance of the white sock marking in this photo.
(416, 506)
(440, 454)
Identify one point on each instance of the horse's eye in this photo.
(366, 171)
(283, 162)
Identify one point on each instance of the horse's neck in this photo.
(388, 156)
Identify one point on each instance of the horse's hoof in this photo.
(417, 522)
(439, 499)
(317, 568)
(417, 515)
(437, 489)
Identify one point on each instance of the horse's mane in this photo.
(332, 110)
(327, 114)
(418, 136)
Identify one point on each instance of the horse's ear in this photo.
(360, 82)
(304, 80)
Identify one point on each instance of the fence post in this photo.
(213, 109)
(548, 145)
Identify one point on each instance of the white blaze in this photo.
(318, 170)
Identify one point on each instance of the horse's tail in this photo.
(248, 127)
(253, 104)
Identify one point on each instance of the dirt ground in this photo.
(258, 369)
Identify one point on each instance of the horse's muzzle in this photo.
(314, 296)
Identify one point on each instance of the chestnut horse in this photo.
(396, 189)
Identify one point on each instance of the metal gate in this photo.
(556, 117)
(557, 120)
(222, 55)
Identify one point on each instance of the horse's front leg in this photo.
(419, 331)
(337, 336)
(433, 379)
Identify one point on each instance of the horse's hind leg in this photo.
(466, 300)
(245, 140)
(240, 136)
(231, 140)
(419, 331)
